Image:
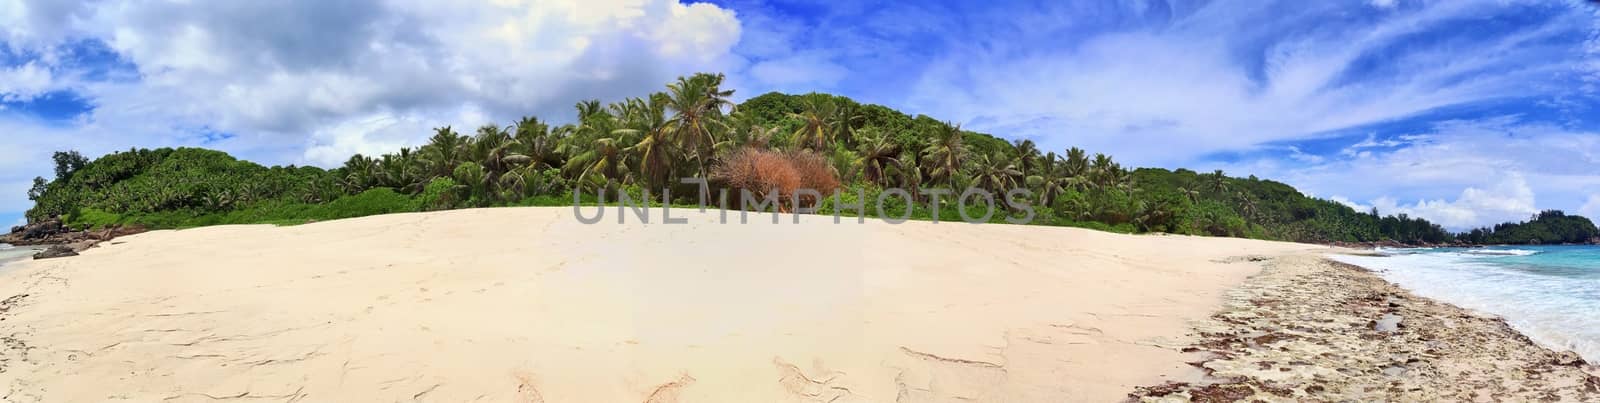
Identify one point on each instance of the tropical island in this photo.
(816, 141)
(1146, 284)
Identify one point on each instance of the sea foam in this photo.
(1552, 294)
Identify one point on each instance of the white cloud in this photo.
(23, 83)
(798, 71)
(290, 68)
(308, 81)
(1591, 207)
(1354, 205)
(1232, 75)
(1460, 174)
(1509, 200)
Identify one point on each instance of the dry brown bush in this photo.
(815, 172)
(759, 171)
(762, 171)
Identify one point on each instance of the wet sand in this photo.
(1308, 328)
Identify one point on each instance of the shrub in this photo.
(759, 172)
(815, 172)
(439, 194)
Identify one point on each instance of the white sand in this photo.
(528, 304)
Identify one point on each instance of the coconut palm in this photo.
(605, 156)
(1027, 156)
(1076, 164)
(1191, 194)
(995, 174)
(878, 152)
(1219, 182)
(942, 159)
(1051, 180)
(646, 118)
(443, 151)
(534, 142)
(696, 103)
(817, 124)
(844, 122)
(360, 173)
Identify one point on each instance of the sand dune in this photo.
(528, 304)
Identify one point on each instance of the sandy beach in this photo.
(1308, 328)
(527, 304)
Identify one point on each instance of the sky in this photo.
(1464, 112)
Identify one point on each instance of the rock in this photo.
(35, 233)
(52, 231)
(1567, 358)
(55, 252)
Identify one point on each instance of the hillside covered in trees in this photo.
(772, 141)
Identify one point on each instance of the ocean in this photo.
(9, 253)
(1550, 293)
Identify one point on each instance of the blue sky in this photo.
(1467, 112)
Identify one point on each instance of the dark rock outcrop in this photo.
(55, 252)
(53, 232)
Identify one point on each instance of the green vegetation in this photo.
(770, 141)
(1547, 227)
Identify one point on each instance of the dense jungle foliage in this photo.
(694, 130)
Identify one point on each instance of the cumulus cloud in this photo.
(1591, 207)
(23, 83)
(1232, 75)
(302, 67)
(307, 81)
(1459, 173)
(1511, 199)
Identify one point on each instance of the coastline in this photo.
(12, 253)
(542, 308)
(528, 304)
(1308, 327)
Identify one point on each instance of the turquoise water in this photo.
(1550, 293)
(9, 253)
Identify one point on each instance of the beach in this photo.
(528, 304)
(1309, 328)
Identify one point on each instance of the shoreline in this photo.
(542, 307)
(508, 303)
(1309, 327)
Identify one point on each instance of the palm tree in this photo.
(995, 174)
(878, 152)
(911, 173)
(1247, 205)
(647, 118)
(844, 122)
(1050, 180)
(696, 103)
(942, 159)
(443, 151)
(844, 163)
(605, 156)
(816, 123)
(1107, 174)
(360, 174)
(1076, 164)
(1027, 156)
(472, 182)
(1219, 182)
(401, 171)
(745, 130)
(1193, 195)
(492, 148)
(534, 142)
